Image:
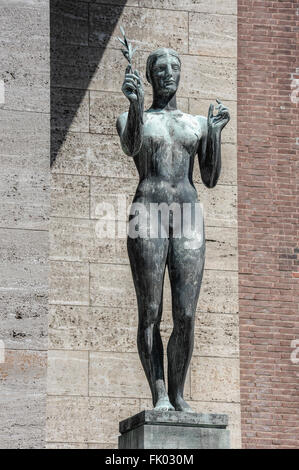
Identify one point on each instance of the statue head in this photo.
(163, 71)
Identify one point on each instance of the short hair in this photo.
(154, 56)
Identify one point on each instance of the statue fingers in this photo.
(221, 116)
(130, 81)
(139, 80)
(129, 88)
(128, 69)
(222, 107)
(224, 111)
(138, 75)
(133, 77)
(211, 111)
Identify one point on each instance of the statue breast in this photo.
(172, 130)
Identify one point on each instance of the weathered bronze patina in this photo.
(164, 142)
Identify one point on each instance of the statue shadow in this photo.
(79, 34)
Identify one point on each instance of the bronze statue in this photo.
(163, 142)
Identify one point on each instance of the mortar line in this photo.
(94, 219)
(105, 263)
(89, 284)
(25, 229)
(162, 9)
(25, 111)
(148, 51)
(89, 131)
(90, 218)
(131, 353)
(121, 308)
(88, 24)
(88, 373)
(188, 32)
(134, 398)
(134, 178)
(119, 93)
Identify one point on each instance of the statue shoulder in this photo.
(203, 122)
(200, 123)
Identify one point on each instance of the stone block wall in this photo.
(95, 378)
(94, 374)
(24, 211)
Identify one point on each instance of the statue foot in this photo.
(181, 405)
(163, 404)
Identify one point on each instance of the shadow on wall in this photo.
(75, 55)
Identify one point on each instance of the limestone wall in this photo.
(24, 207)
(94, 375)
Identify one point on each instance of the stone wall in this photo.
(94, 374)
(24, 207)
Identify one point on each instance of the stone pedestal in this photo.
(174, 430)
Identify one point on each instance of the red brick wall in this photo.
(268, 208)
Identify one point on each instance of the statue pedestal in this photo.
(174, 430)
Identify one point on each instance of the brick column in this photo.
(268, 210)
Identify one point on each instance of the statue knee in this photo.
(150, 315)
(185, 318)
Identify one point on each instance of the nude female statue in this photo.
(164, 142)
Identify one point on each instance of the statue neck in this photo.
(165, 103)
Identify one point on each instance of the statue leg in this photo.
(185, 267)
(148, 262)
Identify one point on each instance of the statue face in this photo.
(165, 74)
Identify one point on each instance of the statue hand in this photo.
(132, 87)
(219, 121)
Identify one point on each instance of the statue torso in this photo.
(165, 161)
